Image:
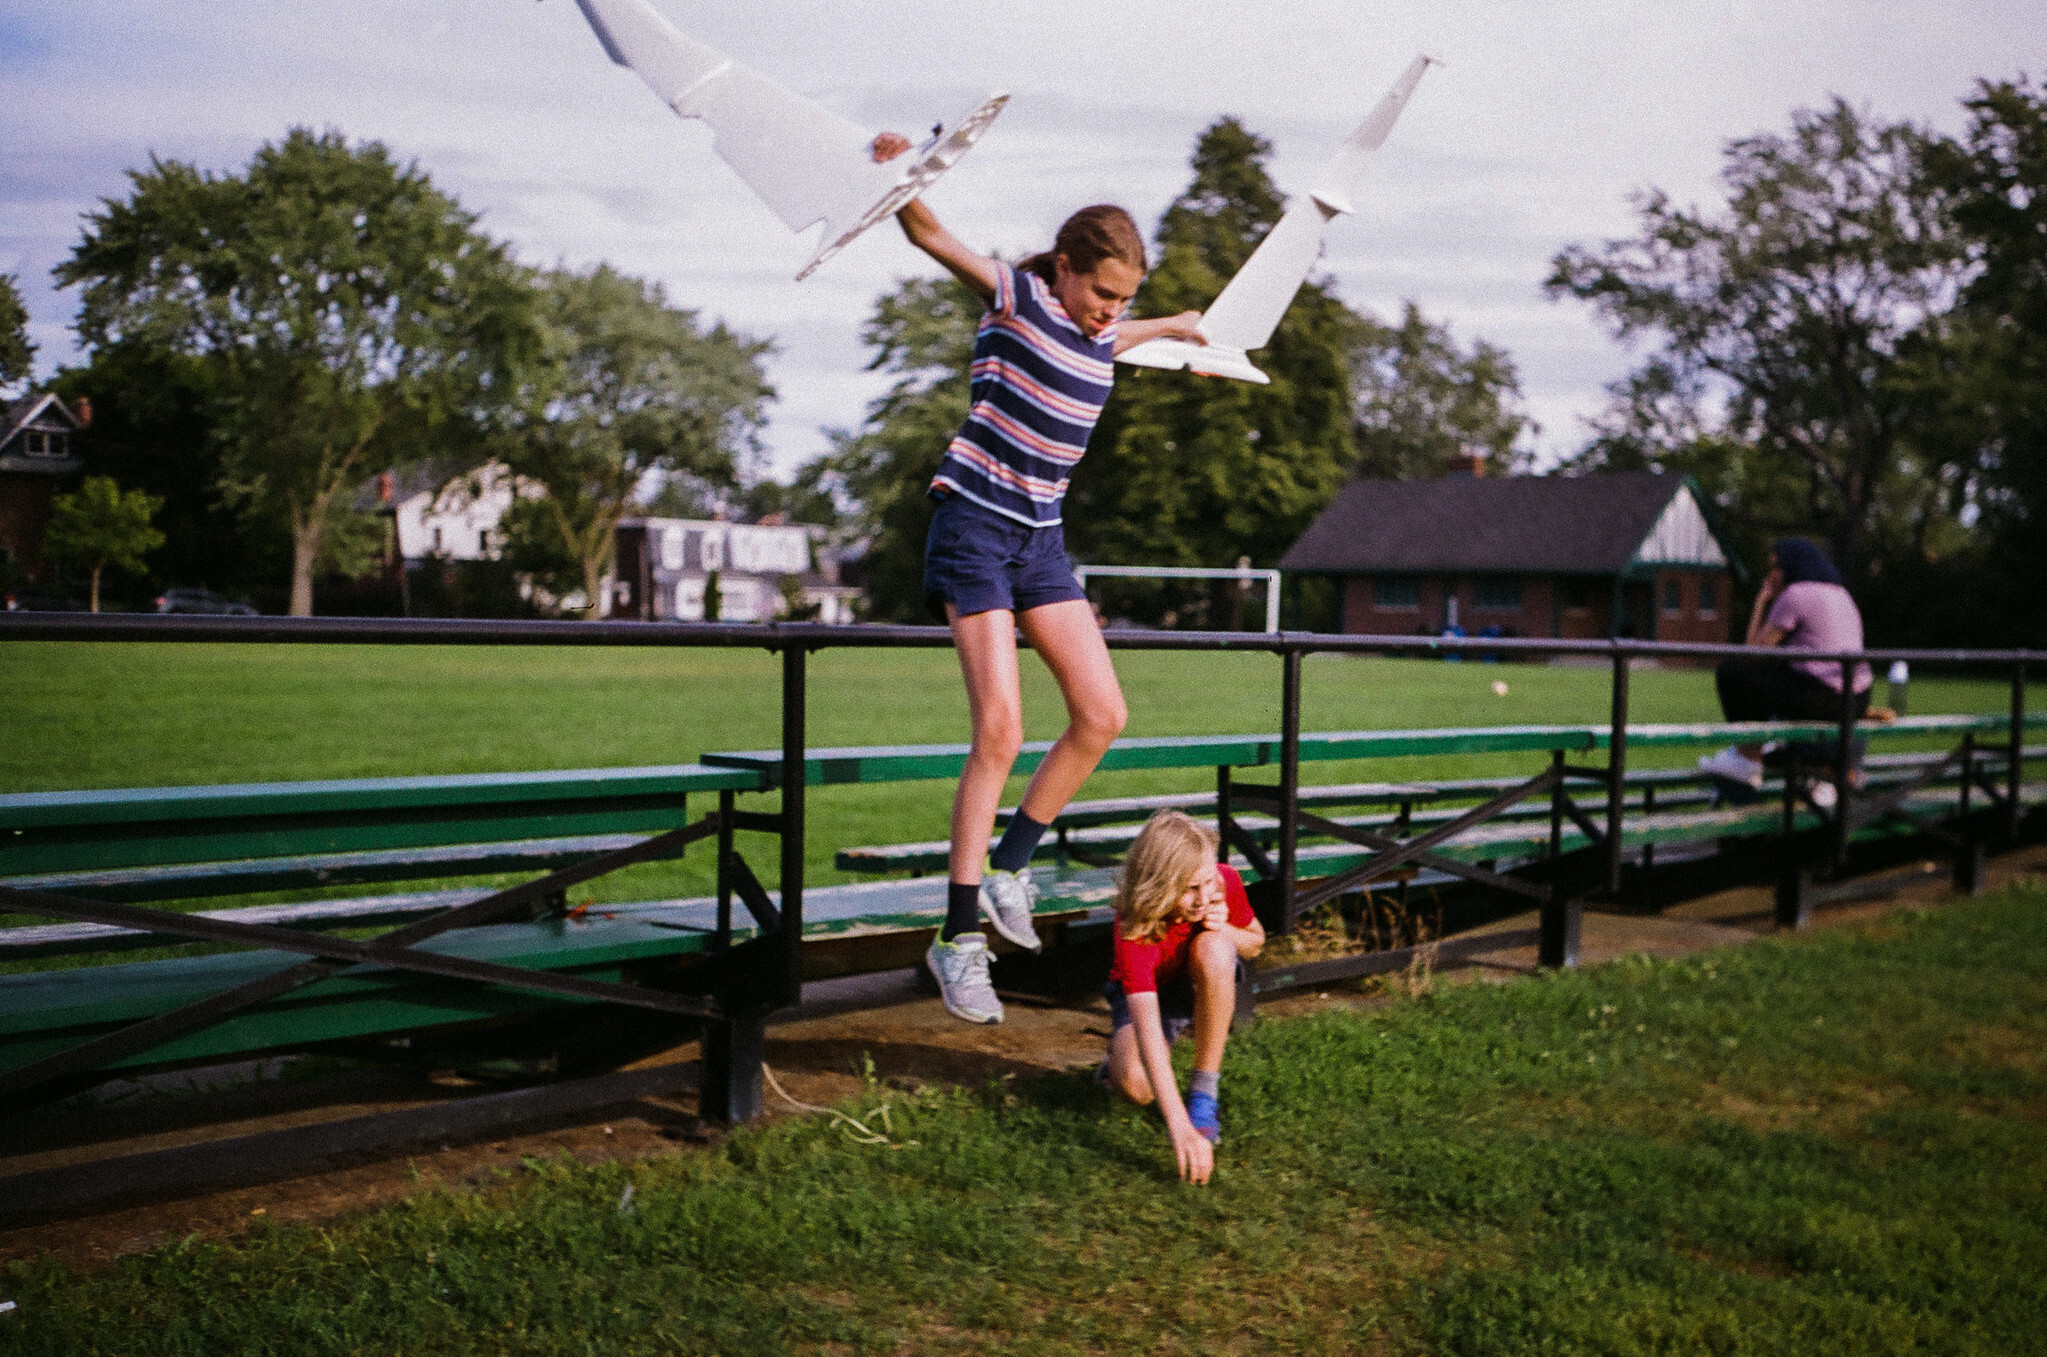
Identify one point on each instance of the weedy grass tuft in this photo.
(1833, 1143)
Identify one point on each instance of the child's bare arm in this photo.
(977, 271)
(1186, 325)
(1248, 940)
(1195, 1155)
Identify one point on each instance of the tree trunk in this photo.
(305, 549)
(593, 584)
(97, 566)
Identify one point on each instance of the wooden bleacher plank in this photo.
(205, 879)
(38, 810)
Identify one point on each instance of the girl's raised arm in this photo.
(977, 271)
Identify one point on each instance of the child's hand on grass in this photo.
(1195, 1154)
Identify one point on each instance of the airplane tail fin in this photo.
(1336, 188)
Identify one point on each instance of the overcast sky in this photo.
(1544, 118)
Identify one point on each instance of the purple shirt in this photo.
(1815, 616)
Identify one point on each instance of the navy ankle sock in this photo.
(1019, 841)
(962, 910)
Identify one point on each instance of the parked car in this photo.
(201, 601)
(31, 599)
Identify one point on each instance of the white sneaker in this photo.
(961, 968)
(1006, 902)
(1735, 766)
(1822, 795)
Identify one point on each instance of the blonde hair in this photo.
(1169, 851)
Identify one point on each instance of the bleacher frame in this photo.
(732, 989)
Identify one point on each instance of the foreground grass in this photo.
(1825, 1144)
(84, 716)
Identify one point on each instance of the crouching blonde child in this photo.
(1184, 928)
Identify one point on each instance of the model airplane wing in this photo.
(1249, 309)
(805, 162)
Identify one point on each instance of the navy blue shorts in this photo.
(1176, 1007)
(979, 561)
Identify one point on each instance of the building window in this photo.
(32, 443)
(1577, 596)
(1709, 598)
(1497, 595)
(437, 541)
(483, 541)
(1673, 598)
(1400, 595)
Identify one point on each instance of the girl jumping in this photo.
(996, 554)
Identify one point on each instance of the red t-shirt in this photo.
(1141, 967)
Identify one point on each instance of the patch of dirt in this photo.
(818, 1059)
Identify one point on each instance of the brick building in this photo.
(1587, 556)
(35, 455)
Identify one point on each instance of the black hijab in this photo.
(1803, 562)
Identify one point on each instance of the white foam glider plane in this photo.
(1244, 316)
(807, 163)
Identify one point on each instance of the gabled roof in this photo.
(1509, 525)
(42, 407)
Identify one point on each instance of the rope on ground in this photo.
(855, 1129)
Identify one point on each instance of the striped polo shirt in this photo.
(1038, 387)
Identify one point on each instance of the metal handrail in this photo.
(826, 636)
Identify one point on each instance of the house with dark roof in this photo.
(1632, 555)
(36, 453)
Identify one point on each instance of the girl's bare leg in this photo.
(1069, 640)
(987, 649)
(1214, 967)
(1126, 1067)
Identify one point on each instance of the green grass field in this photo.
(157, 715)
(1831, 1143)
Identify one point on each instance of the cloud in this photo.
(1530, 138)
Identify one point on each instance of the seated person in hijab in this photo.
(1802, 606)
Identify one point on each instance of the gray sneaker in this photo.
(1006, 901)
(961, 968)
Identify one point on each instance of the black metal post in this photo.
(2014, 748)
(1223, 812)
(1844, 755)
(1562, 914)
(733, 1048)
(1617, 773)
(1648, 809)
(1289, 782)
(1556, 806)
(794, 702)
(1793, 910)
(726, 805)
(1968, 874)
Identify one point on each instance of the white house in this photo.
(451, 518)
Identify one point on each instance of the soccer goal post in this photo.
(1243, 573)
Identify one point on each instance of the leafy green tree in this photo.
(1182, 470)
(351, 315)
(1984, 365)
(1421, 400)
(633, 388)
(153, 428)
(923, 333)
(100, 525)
(17, 354)
(1188, 470)
(1782, 328)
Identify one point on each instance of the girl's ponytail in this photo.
(1089, 236)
